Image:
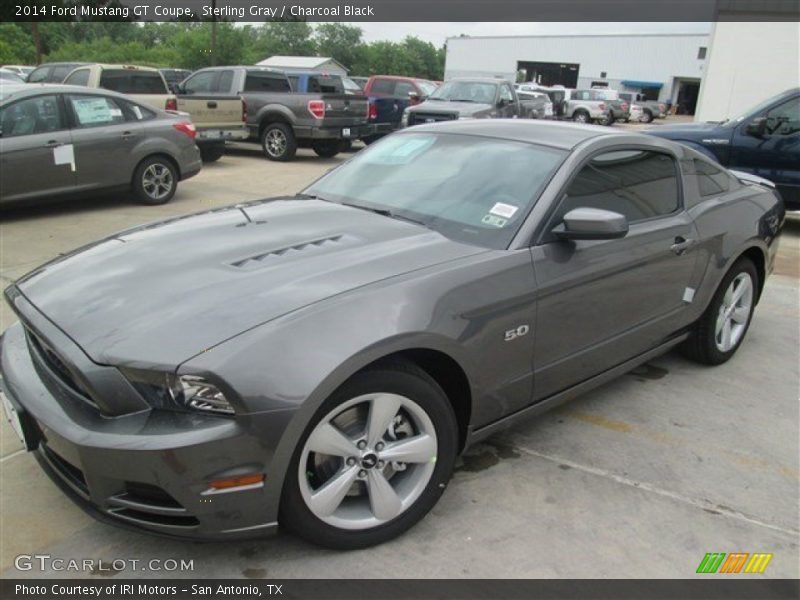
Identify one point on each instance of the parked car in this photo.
(143, 84)
(619, 109)
(651, 109)
(284, 120)
(764, 141)
(21, 70)
(218, 115)
(557, 94)
(173, 77)
(58, 141)
(473, 98)
(389, 96)
(541, 106)
(7, 76)
(426, 283)
(52, 72)
(586, 106)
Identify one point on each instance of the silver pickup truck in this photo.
(651, 109)
(283, 120)
(586, 106)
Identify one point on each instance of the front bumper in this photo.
(147, 470)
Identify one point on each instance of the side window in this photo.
(60, 72)
(506, 94)
(33, 115)
(710, 180)
(784, 119)
(38, 75)
(636, 183)
(79, 77)
(294, 80)
(266, 82)
(201, 83)
(95, 111)
(403, 89)
(383, 86)
(225, 82)
(136, 112)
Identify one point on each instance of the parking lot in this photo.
(639, 478)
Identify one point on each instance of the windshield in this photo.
(465, 91)
(750, 112)
(427, 87)
(468, 188)
(351, 86)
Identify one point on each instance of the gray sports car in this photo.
(320, 360)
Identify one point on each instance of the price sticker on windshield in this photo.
(503, 210)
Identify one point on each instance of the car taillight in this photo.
(317, 108)
(244, 111)
(602, 106)
(171, 104)
(373, 111)
(187, 128)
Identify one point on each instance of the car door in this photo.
(775, 153)
(103, 139)
(35, 143)
(602, 302)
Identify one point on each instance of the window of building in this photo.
(701, 52)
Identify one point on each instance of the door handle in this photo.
(681, 245)
(53, 144)
(211, 104)
(126, 135)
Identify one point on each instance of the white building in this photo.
(305, 63)
(663, 66)
(748, 62)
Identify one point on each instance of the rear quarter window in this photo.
(79, 77)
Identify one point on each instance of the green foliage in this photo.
(188, 45)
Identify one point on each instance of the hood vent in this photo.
(304, 247)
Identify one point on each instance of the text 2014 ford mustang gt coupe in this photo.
(319, 361)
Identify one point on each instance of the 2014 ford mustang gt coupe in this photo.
(320, 360)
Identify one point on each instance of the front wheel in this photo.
(720, 331)
(580, 117)
(606, 120)
(647, 117)
(374, 459)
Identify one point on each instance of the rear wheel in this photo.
(373, 461)
(581, 116)
(606, 119)
(211, 154)
(155, 181)
(646, 117)
(327, 148)
(720, 331)
(278, 142)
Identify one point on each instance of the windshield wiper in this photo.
(387, 213)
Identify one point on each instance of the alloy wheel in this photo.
(276, 143)
(367, 461)
(157, 181)
(734, 312)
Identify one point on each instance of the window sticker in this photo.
(92, 110)
(503, 210)
(494, 221)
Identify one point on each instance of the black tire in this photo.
(607, 120)
(395, 376)
(702, 343)
(581, 116)
(278, 142)
(371, 139)
(346, 146)
(154, 169)
(647, 117)
(210, 154)
(327, 149)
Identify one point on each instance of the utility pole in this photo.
(213, 33)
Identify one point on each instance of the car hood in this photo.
(688, 131)
(462, 108)
(162, 293)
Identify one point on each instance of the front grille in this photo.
(49, 359)
(418, 118)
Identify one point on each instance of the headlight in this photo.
(176, 392)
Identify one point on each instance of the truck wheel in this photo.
(580, 116)
(327, 149)
(346, 146)
(647, 117)
(278, 142)
(213, 153)
(155, 181)
(606, 120)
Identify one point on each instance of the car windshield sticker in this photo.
(399, 150)
(503, 210)
(494, 221)
(93, 110)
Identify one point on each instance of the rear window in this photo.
(128, 81)
(383, 86)
(325, 84)
(265, 82)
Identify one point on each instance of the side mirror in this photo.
(592, 224)
(501, 102)
(757, 127)
(413, 97)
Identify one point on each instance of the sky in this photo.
(437, 33)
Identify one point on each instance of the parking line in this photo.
(12, 455)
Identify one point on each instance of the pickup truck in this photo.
(651, 109)
(145, 85)
(619, 109)
(469, 98)
(389, 96)
(541, 103)
(586, 106)
(763, 141)
(318, 82)
(284, 120)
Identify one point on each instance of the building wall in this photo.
(658, 58)
(748, 62)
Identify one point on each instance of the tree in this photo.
(340, 41)
(285, 38)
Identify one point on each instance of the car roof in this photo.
(19, 90)
(545, 133)
(121, 67)
(479, 79)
